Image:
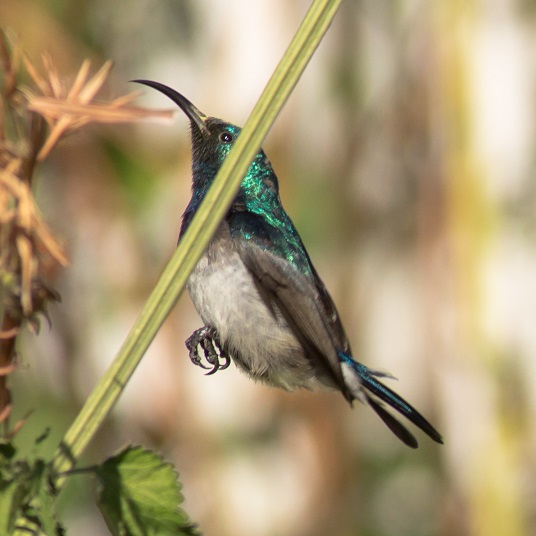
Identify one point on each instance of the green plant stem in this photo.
(202, 227)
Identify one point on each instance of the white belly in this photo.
(259, 340)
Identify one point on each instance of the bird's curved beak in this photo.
(197, 117)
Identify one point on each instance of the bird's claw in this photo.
(204, 344)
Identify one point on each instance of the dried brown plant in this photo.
(32, 121)
(66, 109)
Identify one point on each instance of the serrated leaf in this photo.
(33, 508)
(46, 513)
(38, 508)
(140, 495)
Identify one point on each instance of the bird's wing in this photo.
(331, 314)
(301, 304)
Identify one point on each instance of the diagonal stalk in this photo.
(211, 212)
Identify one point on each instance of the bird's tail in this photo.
(370, 385)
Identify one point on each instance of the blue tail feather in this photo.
(369, 382)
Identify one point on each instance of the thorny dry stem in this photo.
(29, 252)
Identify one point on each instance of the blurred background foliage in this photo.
(406, 159)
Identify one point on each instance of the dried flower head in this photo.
(68, 108)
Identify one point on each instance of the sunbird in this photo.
(261, 300)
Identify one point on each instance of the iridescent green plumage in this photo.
(256, 213)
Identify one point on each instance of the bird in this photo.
(261, 300)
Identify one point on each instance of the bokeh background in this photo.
(406, 158)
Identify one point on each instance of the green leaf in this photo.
(140, 495)
(38, 508)
(46, 512)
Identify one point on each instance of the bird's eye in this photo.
(226, 137)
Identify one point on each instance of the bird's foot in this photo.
(204, 345)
